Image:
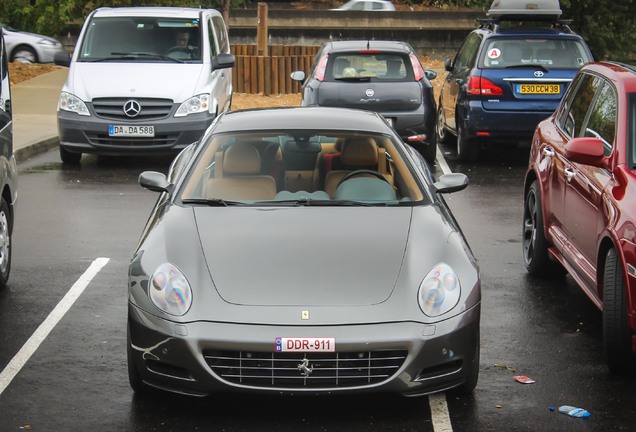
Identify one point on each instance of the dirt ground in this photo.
(20, 72)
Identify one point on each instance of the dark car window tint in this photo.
(376, 67)
(575, 116)
(551, 53)
(602, 121)
(467, 53)
(631, 128)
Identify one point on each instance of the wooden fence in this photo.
(269, 74)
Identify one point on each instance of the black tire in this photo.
(69, 157)
(24, 54)
(466, 148)
(617, 336)
(443, 137)
(6, 229)
(429, 150)
(535, 246)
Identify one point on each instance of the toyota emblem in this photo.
(369, 92)
(132, 108)
(538, 74)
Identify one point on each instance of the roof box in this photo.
(525, 10)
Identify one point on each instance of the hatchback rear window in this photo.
(550, 53)
(370, 67)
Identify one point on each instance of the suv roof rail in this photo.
(493, 23)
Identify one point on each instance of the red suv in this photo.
(580, 199)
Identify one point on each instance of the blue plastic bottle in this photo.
(573, 411)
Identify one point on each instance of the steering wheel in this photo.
(362, 172)
(178, 49)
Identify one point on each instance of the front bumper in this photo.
(80, 134)
(170, 356)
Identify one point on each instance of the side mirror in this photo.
(155, 181)
(62, 59)
(448, 65)
(430, 75)
(449, 183)
(297, 76)
(586, 150)
(223, 61)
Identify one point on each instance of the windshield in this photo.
(290, 168)
(369, 67)
(550, 53)
(142, 39)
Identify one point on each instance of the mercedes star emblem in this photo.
(132, 108)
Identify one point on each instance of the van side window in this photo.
(221, 34)
(212, 38)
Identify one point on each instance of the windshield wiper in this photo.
(302, 202)
(135, 55)
(211, 202)
(354, 79)
(528, 65)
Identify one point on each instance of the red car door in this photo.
(585, 214)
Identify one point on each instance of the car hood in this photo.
(176, 82)
(304, 256)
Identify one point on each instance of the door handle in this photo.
(548, 152)
(569, 174)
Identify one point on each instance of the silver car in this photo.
(27, 47)
(302, 250)
(8, 168)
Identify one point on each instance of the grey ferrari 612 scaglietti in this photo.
(302, 250)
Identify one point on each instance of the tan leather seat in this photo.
(238, 175)
(356, 153)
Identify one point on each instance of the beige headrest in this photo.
(360, 152)
(241, 159)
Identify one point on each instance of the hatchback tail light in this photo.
(478, 86)
(417, 67)
(321, 68)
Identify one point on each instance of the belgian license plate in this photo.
(294, 344)
(131, 131)
(542, 89)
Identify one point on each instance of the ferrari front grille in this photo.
(305, 370)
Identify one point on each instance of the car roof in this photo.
(319, 118)
(384, 45)
(528, 32)
(164, 12)
(622, 75)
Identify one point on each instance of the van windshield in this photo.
(143, 39)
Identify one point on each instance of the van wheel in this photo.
(69, 157)
(617, 336)
(6, 228)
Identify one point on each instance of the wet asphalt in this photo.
(76, 379)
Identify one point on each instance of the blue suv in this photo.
(506, 78)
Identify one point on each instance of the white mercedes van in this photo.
(144, 80)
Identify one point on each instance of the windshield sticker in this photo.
(494, 53)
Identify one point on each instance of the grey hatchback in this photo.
(382, 76)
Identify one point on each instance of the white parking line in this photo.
(36, 339)
(441, 162)
(439, 413)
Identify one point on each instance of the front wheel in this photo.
(69, 157)
(6, 228)
(617, 336)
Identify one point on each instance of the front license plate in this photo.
(286, 344)
(547, 89)
(131, 131)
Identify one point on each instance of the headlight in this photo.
(196, 104)
(439, 291)
(170, 290)
(70, 102)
